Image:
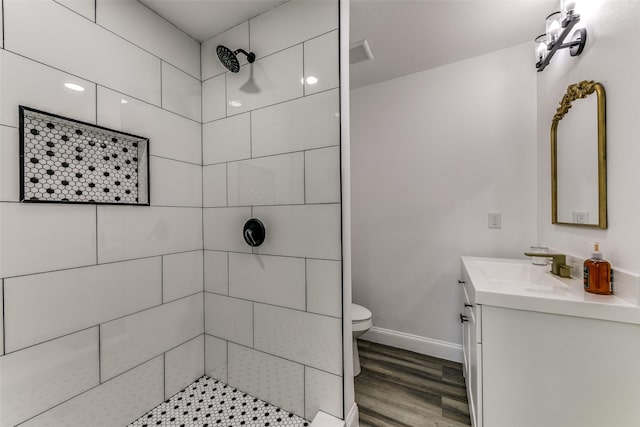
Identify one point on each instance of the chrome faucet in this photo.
(559, 266)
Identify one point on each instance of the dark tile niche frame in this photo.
(63, 160)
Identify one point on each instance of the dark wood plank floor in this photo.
(399, 388)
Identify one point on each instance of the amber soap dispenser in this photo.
(598, 277)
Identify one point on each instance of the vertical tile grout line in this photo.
(304, 86)
(99, 355)
(204, 307)
(304, 177)
(251, 134)
(164, 376)
(228, 269)
(97, 258)
(4, 330)
(4, 41)
(306, 285)
(226, 97)
(161, 279)
(161, 97)
(95, 86)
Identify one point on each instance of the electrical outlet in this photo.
(580, 217)
(495, 220)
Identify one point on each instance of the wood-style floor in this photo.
(399, 388)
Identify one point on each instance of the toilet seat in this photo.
(360, 314)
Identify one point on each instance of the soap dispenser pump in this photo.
(598, 276)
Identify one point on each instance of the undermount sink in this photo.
(520, 273)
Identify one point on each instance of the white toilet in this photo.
(360, 323)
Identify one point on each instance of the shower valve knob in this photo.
(254, 232)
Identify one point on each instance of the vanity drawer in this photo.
(472, 310)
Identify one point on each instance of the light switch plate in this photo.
(495, 220)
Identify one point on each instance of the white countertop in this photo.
(518, 284)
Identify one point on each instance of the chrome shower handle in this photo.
(248, 235)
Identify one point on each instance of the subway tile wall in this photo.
(271, 150)
(103, 312)
(103, 306)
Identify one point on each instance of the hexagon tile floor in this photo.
(208, 403)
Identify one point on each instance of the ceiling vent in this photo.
(359, 51)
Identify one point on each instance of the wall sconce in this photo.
(558, 26)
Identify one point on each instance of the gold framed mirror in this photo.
(578, 157)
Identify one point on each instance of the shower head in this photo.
(229, 58)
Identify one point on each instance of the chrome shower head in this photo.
(229, 58)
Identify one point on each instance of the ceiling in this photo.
(406, 36)
(203, 19)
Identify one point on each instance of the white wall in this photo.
(274, 314)
(432, 154)
(96, 297)
(607, 58)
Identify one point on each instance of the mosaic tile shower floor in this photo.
(208, 403)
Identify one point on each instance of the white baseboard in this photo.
(416, 343)
(352, 419)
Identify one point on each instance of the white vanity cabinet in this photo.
(472, 350)
(538, 361)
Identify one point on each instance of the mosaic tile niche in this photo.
(67, 161)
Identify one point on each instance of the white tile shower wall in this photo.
(229, 318)
(273, 280)
(126, 232)
(223, 229)
(116, 402)
(216, 272)
(324, 287)
(26, 82)
(49, 44)
(216, 358)
(2, 318)
(214, 185)
(9, 168)
(227, 139)
(133, 21)
(322, 175)
(171, 136)
(277, 138)
(34, 379)
(275, 180)
(86, 8)
(175, 183)
(291, 23)
(134, 339)
(213, 99)
(183, 365)
(279, 381)
(321, 68)
(37, 237)
(322, 391)
(57, 36)
(182, 275)
(311, 231)
(306, 338)
(301, 124)
(99, 293)
(181, 93)
(267, 81)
